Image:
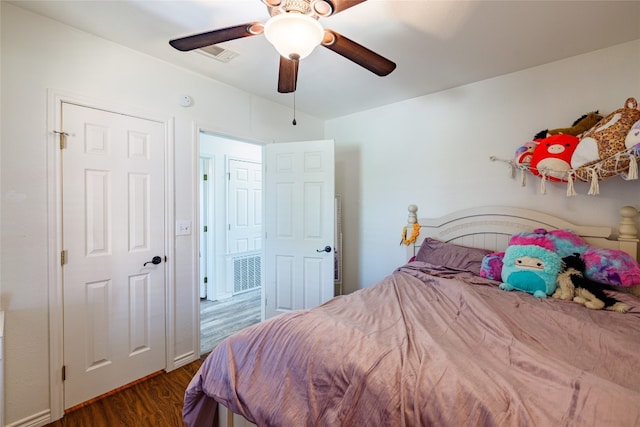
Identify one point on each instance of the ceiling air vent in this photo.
(216, 52)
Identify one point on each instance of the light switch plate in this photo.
(183, 228)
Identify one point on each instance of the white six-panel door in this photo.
(244, 205)
(299, 224)
(113, 225)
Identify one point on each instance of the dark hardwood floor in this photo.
(157, 401)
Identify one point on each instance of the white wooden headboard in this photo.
(490, 228)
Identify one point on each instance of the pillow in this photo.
(491, 267)
(564, 242)
(611, 266)
(458, 257)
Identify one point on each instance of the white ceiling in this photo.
(436, 44)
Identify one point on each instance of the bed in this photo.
(435, 344)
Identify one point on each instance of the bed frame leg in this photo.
(229, 419)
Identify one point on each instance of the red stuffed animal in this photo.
(553, 156)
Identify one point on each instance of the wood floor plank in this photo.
(219, 319)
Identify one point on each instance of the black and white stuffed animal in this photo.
(572, 285)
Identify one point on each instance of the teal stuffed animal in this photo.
(530, 268)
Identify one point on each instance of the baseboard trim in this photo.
(184, 359)
(36, 420)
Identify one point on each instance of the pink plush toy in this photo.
(524, 153)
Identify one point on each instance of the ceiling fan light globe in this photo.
(293, 34)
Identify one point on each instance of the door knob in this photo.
(326, 249)
(155, 261)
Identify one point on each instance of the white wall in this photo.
(40, 54)
(434, 151)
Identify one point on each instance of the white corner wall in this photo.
(38, 55)
(434, 151)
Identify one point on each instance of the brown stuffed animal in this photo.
(581, 125)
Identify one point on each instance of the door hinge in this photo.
(64, 372)
(63, 139)
(229, 176)
(63, 257)
(205, 228)
(204, 177)
(206, 280)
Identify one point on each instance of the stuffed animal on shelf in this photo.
(574, 286)
(553, 155)
(530, 268)
(633, 138)
(524, 153)
(581, 125)
(601, 143)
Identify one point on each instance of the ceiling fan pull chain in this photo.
(294, 108)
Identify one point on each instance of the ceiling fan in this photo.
(294, 31)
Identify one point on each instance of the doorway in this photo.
(230, 235)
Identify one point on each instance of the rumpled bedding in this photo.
(429, 346)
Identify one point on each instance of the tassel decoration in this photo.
(523, 178)
(570, 189)
(543, 182)
(633, 168)
(595, 187)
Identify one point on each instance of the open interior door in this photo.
(298, 251)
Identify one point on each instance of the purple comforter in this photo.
(428, 346)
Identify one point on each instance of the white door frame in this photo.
(55, 99)
(210, 236)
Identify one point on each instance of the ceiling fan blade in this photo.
(340, 5)
(197, 41)
(288, 75)
(357, 53)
